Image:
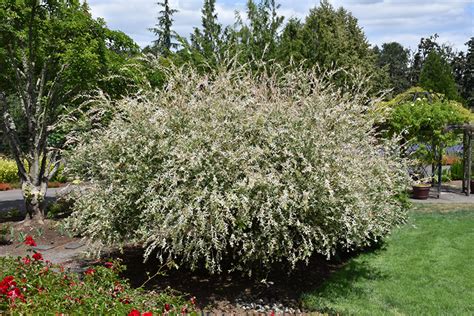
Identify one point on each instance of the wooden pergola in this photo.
(468, 132)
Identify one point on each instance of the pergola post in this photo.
(440, 169)
(469, 162)
(464, 159)
(468, 130)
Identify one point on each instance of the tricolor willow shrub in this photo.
(257, 169)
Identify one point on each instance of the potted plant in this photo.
(421, 189)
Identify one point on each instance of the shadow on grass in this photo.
(342, 285)
(281, 286)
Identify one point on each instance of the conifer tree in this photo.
(437, 76)
(208, 41)
(164, 42)
(395, 58)
(468, 74)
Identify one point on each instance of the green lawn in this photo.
(424, 268)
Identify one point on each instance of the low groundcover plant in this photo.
(237, 167)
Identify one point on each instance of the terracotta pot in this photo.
(421, 192)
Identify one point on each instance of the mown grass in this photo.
(424, 268)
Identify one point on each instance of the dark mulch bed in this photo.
(220, 292)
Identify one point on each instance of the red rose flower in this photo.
(8, 281)
(193, 300)
(29, 241)
(184, 310)
(89, 271)
(37, 256)
(134, 312)
(108, 265)
(167, 307)
(26, 260)
(147, 314)
(6, 284)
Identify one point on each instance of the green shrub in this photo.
(60, 176)
(256, 170)
(422, 118)
(8, 171)
(457, 171)
(29, 286)
(59, 209)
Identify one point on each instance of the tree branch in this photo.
(12, 135)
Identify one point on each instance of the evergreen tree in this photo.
(259, 38)
(395, 58)
(333, 39)
(291, 44)
(164, 42)
(437, 75)
(210, 27)
(208, 41)
(425, 47)
(468, 74)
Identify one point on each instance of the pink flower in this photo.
(134, 312)
(29, 241)
(37, 256)
(15, 294)
(26, 260)
(193, 300)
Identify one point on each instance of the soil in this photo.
(226, 293)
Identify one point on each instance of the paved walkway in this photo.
(447, 197)
(450, 193)
(13, 199)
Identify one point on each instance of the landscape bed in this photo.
(422, 268)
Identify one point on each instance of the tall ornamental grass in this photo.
(242, 168)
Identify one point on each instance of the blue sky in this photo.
(404, 21)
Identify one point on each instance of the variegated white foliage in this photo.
(258, 169)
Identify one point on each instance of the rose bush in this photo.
(256, 169)
(31, 286)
